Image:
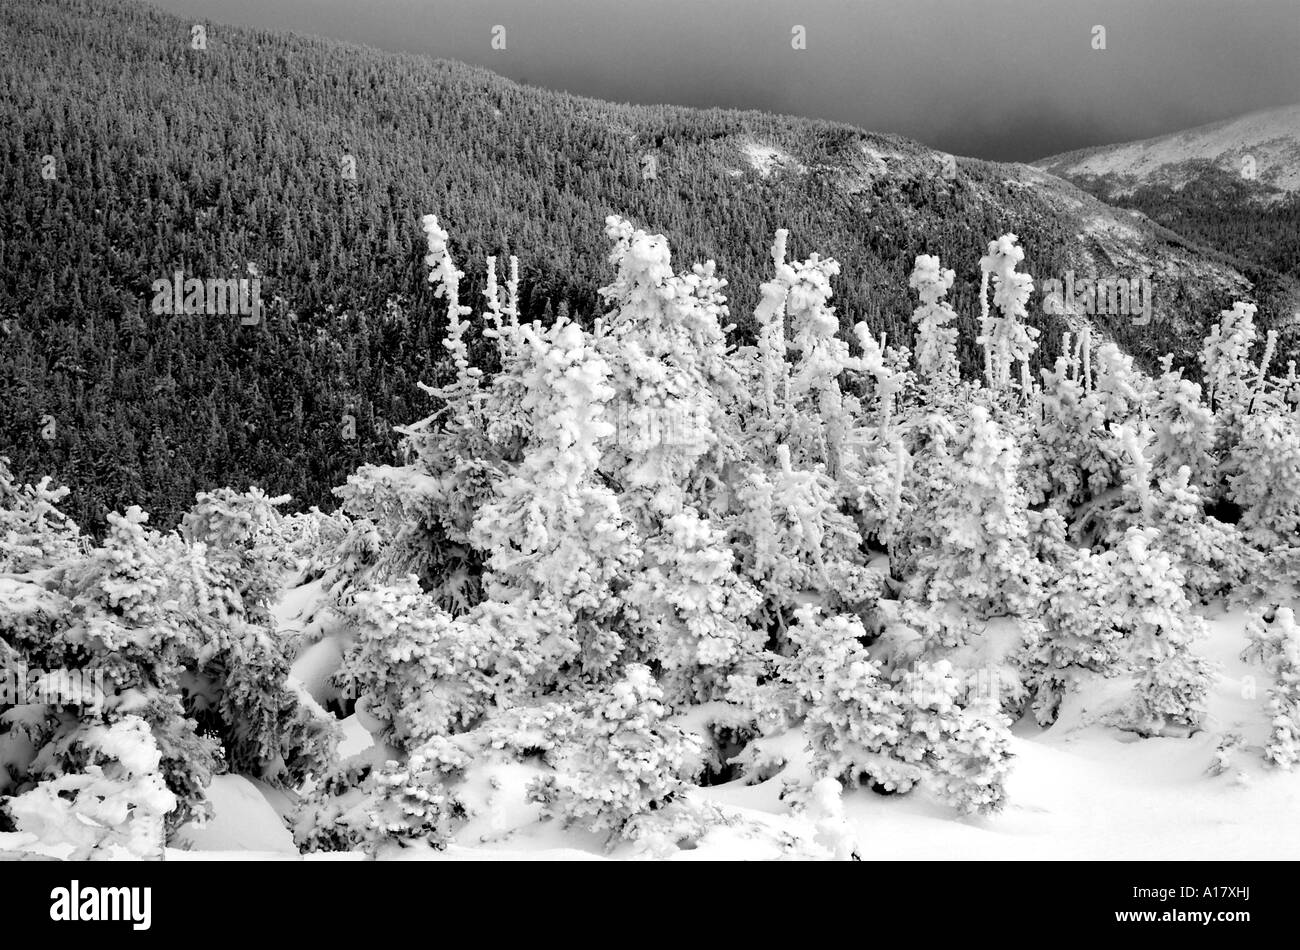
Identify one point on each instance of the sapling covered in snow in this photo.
(34, 533)
(1263, 472)
(621, 760)
(970, 547)
(1276, 647)
(112, 807)
(1006, 339)
(1225, 362)
(1212, 555)
(1160, 627)
(936, 347)
(893, 735)
(424, 673)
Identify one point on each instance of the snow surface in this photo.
(244, 821)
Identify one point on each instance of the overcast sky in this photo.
(990, 78)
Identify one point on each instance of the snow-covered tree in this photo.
(620, 760)
(893, 735)
(34, 533)
(1276, 647)
(936, 347)
(1006, 339)
(970, 529)
(112, 807)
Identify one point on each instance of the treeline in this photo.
(126, 155)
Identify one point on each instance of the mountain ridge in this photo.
(1271, 137)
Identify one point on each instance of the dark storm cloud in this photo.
(993, 78)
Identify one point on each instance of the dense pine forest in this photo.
(127, 154)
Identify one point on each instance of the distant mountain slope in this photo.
(1234, 185)
(167, 158)
(1262, 148)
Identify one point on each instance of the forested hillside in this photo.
(166, 158)
(1233, 185)
(1217, 209)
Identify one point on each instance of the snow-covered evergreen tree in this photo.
(1276, 647)
(621, 759)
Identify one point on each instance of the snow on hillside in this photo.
(1270, 138)
(766, 159)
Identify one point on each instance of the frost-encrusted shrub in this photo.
(1276, 647)
(1264, 479)
(243, 531)
(1159, 626)
(367, 808)
(1076, 460)
(34, 533)
(693, 608)
(977, 556)
(177, 628)
(1170, 696)
(894, 734)
(112, 806)
(1225, 361)
(854, 719)
(621, 761)
(1118, 611)
(1213, 556)
(427, 674)
(194, 608)
(1079, 631)
(268, 727)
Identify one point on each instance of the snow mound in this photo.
(243, 820)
